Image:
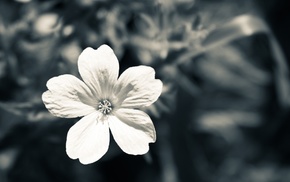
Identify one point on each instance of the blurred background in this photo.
(223, 115)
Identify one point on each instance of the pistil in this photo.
(105, 106)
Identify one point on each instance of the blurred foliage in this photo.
(218, 119)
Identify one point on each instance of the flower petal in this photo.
(88, 139)
(68, 97)
(99, 69)
(138, 87)
(133, 130)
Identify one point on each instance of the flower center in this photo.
(105, 107)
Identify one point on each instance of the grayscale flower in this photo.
(105, 102)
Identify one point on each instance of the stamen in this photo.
(105, 107)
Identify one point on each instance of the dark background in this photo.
(220, 117)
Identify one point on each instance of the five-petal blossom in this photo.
(105, 102)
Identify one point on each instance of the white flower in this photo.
(106, 102)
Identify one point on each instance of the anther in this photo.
(105, 107)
